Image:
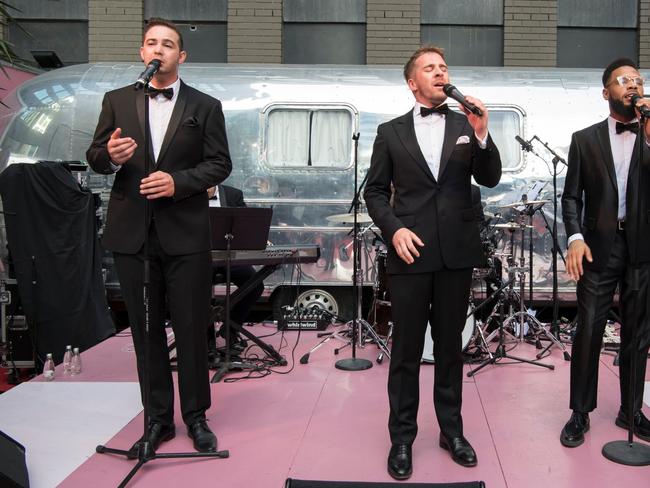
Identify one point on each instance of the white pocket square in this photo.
(463, 140)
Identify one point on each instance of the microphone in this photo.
(525, 145)
(147, 74)
(451, 91)
(643, 110)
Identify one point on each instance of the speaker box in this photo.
(13, 470)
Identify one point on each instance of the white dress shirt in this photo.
(215, 201)
(622, 147)
(430, 133)
(160, 112)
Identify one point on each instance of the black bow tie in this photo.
(168, 93)
(632, 127)
(442, 110)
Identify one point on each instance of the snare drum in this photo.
(468, 332)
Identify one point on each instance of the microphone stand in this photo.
(628, 452)
(145, 450)
(555, 327)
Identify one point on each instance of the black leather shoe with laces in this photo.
(204, 439)
(460, 449)
(573, 433)
(158, 433)
(641, 424)
(400, 461)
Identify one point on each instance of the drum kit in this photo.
(503, 304)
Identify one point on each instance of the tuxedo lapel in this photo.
(453, 129)
(406, 132)
(140, 100)
(602, 134)
(174, 121)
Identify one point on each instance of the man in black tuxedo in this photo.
(600, 207)
(429, 155)
(228, 196)
(189, 153)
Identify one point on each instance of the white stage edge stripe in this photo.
(61, 423)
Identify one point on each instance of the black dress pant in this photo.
(595, 294)
(440, 298)
(183, 284)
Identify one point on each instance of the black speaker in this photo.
(13, 470)
(291, 483)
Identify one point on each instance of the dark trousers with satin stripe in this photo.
(182, 283)
(440, 298)
(595, 294)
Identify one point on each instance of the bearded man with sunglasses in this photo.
(600, 205)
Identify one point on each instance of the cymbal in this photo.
(512, 226)
(362, 218)
(523, 204)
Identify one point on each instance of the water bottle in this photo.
(75, 363)
(67, 360)
(48, 368)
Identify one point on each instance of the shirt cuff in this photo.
(575, 237)
(114, 167)
(482, 143)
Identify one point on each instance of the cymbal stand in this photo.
(522, 314)
(500, 352)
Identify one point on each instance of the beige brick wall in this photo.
(255, 31)
(115, 30)
(530, 33)
(644, 34)
(392, 31)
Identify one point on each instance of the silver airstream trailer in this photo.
(290, 131)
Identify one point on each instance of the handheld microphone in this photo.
(147, 74)
(451, 91)
(643, 110)
(525, 145)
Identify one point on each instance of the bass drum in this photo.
(468, 332)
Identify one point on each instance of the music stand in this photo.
(236, 229)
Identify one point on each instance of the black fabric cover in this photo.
(291, 483)
(52, 237)
(13, 468)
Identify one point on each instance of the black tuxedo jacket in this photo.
(229, 196)
(439, 210)
(590, 198)
(194, 151)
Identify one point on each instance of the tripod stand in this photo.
(145, 451)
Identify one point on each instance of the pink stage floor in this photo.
(318, 422)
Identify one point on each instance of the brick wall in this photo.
(392, 31)
(644, 33)
(530, 33)
(255, 31)
(115, 30)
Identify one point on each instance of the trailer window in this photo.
(504, 126)
(309, 137)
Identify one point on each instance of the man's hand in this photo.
(156, 185)
(643, 102)
(577, 251)
(120, 149)
(479, 124)
(404, 242)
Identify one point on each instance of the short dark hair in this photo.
(614, 65)
(408, 67)
(154, 21)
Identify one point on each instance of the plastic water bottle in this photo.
(67, 360)
(75, 363)
(48, 368)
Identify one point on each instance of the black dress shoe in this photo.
(461, 450)
(400, 461)
(204, 439)
(158, 433)
(641, 424)
(573, 433)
